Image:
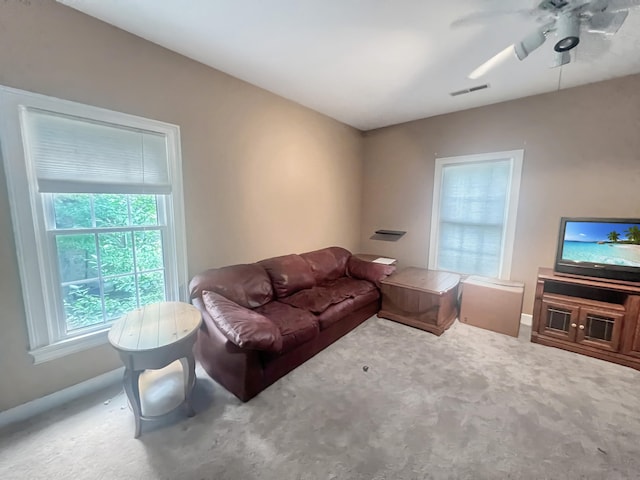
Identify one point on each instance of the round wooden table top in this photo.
(154, 326)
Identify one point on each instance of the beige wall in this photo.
(263, 176)
(582, 158)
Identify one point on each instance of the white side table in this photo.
(150, 338)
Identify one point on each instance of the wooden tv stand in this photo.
(587, 315)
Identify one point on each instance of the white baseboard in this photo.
(56, 399)
(526, 319)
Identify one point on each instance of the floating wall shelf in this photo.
(388, 235)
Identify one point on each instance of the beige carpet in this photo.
(471, 404)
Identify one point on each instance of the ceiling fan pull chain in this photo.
(559, 78)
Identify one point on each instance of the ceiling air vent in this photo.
(469, 90)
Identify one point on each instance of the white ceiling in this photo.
(368, 63)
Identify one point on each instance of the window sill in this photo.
(69, 346)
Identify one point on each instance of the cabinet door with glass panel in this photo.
(596, 324)
(600, 326)
(559, 317)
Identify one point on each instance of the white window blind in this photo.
(472, 216)
(473, 221)
(77, 155)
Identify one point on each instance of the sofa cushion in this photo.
(245, 328)
(316, 299)
(327, 263)
(288, 274)
(296, 326)
(374, 272)
(340, 310)
(347, 287)
(247, 285)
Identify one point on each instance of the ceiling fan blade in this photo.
(615, 5)
(492, 63)
(521, 49)
(607, 23)
(596, 6)
(476, 18)
(593, 46)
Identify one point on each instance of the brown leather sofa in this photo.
(262, 320)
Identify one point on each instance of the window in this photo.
(475, 199)
(96, 200)
(110, 256)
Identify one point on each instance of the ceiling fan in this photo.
(565, 19)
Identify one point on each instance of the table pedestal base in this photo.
(131, 382)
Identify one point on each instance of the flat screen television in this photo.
(599, 247)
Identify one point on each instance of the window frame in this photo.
(30, 226)
(515, 158)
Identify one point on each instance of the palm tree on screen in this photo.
(633, 234)
(614, 236)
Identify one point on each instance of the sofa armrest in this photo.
(242, 326)
(364, 270)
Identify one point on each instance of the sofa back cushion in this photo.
(327, 263)
(248, 285)
(364, 270)
(288, 273)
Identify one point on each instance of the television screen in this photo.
(607, 243)
(599, 247)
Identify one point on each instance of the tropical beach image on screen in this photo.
(602, 242)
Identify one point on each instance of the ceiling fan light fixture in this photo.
(561, 58)
(529, 43)
(565, 44)
(568, 32)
